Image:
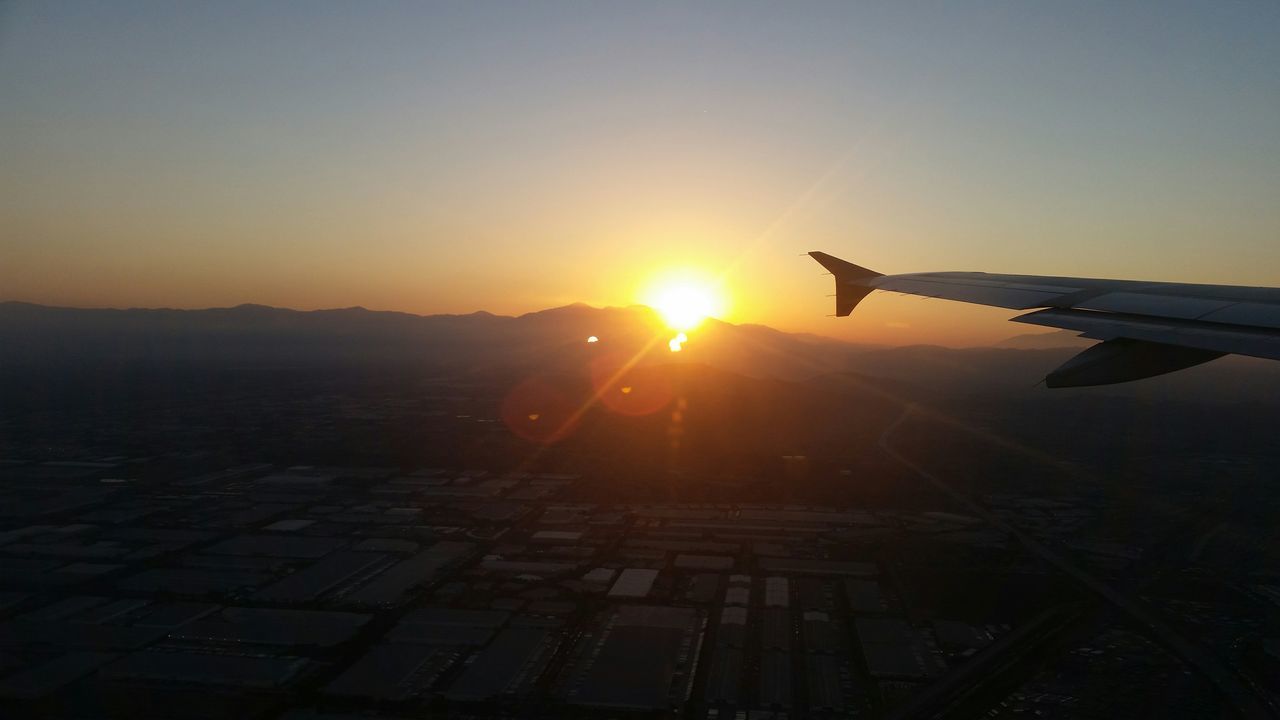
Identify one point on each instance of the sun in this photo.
(684, 300)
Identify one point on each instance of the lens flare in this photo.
(630, 390)
(541, 410)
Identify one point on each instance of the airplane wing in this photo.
(1145, 328)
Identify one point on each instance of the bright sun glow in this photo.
(684, 301)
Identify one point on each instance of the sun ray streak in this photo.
(598, 392)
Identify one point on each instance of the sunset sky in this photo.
(511, 157)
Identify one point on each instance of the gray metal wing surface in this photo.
(1145, 328)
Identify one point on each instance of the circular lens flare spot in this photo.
(639, 390)
(539, 410)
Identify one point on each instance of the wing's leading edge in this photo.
(1146, 328)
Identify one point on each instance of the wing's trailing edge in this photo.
(1146, 328)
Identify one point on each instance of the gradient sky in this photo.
(515, 156)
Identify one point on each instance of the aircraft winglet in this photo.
(849, 281)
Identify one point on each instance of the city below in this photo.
(167, 586)
(258, 513)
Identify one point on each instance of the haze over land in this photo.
(135, 356)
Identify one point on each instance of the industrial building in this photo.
(643, 659)
(508, 666)
(633, 584)
(775, 680)
(777, 592)
(891, 648)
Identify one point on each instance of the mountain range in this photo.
(37, 336)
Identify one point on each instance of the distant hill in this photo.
(264, 381)
(264, 338)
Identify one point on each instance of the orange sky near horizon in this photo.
(448, 159)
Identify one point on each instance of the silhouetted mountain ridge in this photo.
(268, 337)
(249, 333)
